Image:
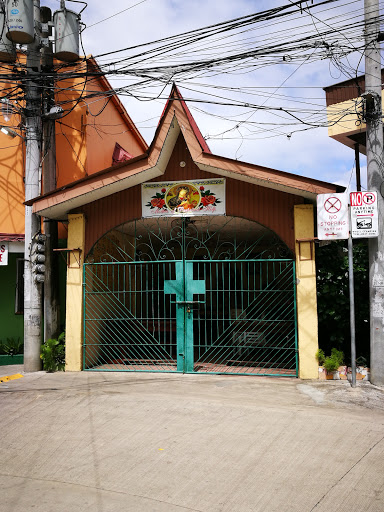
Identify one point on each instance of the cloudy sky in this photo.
(260, 134)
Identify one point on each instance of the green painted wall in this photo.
(11, 325)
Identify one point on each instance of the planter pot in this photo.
(322, 373)
(333, 375)
(362, 373)
(336, 375)
(16, 359)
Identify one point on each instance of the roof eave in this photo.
(310, 193)
(58, 204)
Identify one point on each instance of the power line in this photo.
(116, 14)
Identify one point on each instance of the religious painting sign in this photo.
(183, 198)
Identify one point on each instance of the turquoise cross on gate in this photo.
(184, 287)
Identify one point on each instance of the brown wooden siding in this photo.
(347, 90)
(270, 208)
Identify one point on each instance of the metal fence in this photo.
(221, 316)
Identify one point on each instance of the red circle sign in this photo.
(332, 205)
(369, 198)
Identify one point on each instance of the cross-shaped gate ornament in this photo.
(184, 287)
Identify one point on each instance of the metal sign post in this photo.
(333, 224)
(352, 310)
(364, 224)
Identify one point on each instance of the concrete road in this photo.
(106, 442)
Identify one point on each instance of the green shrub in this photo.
(338, 355)
(11, 347)
(332, 362)
(53, 354)
(320, 356)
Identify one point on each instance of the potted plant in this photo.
(332, 364)
(11, 351)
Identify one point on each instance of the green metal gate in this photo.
(234, 316)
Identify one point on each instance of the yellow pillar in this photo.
(74, 311)
(306, 292)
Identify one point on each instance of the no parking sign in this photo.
(364, 215)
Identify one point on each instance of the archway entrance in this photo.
(201, 294)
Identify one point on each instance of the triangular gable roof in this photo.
(93, 67)
(175, 95)
(153, 163)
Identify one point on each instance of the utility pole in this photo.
(23, 23)
(357, 165)
(374, 145)
(51, 288)
(32, 289)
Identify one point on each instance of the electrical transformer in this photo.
(67, 25)
(7, 49)
(20, 21)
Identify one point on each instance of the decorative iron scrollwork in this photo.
(200, 238)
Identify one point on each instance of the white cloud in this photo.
(310, 153)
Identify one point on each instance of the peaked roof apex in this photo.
(175, 95)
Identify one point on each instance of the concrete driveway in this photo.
(106, 442)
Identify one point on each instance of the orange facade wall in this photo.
(71, 143)
(12, 157)
(105, 126)
(11, 185)
(84, 143)
(86, 138)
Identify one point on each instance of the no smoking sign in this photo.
(332, 217)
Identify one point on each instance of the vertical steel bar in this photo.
(84, 314)
(223, 296)
(215, 287)
(130, 291)
(295, 314)
(160, 332)
(352, 309)
(235, 288)
(242, 286)
(207, 279)
(167, 301)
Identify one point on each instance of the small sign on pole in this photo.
(332, 217)
(364, 215)
(3, 253)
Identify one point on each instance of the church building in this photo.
(180, 260)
